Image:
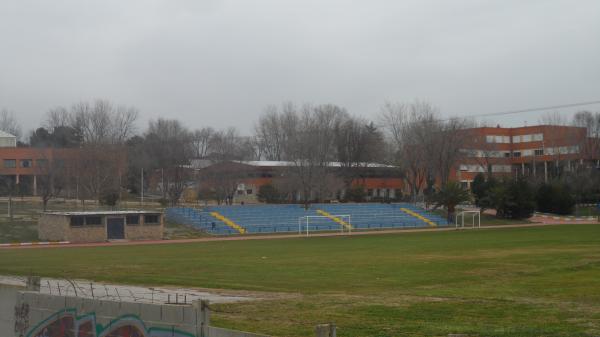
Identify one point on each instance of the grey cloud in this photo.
(220, 62)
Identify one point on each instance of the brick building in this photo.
(541, 151)
(379, 181)
(21, 166)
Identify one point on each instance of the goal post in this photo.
(310, 223)
(461, 216)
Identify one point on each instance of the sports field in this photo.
(542, 281)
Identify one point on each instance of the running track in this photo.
(536, 222)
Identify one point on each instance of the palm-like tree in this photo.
(449, 196)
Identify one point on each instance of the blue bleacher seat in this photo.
(290, 218)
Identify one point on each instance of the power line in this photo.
(512, 112)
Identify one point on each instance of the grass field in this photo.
(541, 281)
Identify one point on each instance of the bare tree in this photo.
(448, 139)
(57, 117)
(201, 141)
(589, 147)
(222, 180)
(311, 148)
(168, 143)
(230, 145)
(100, 169)
(408, 127)
(358, 143)
(271, 134)
(553, 118)
(9, 124)
(51, 176)
(101, 122)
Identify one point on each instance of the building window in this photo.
(506, 154)
(538, 137)
(538, 152)
(93, 220)
(501, 168)
(77, 221)
(10, 163)
(516, 154)
(526, 138)
(240, 192)
(489, 139)
(132, 219)
(249, 191)
(26, 163)
(370, 192)
(516, 139)
(43, 163)
(151, 220)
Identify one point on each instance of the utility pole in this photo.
(142, 188)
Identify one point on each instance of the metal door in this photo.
(115, 228)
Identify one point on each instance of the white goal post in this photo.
(304, 222)
(475, 214)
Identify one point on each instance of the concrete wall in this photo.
(43, 314)
(95, 233)
(8, 302)
(145, 231)
(57, 227)
(53, 227)
(33, 314)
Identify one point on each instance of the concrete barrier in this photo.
(25, 312)
(8, 303)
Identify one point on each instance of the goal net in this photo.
(321, 223)
(473, 217)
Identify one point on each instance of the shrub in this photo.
(355, 194)
(513, 199)
(481, 191)
(109, 198)
(555, 197)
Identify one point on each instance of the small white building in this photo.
(7, 140)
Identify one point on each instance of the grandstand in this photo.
(252, 219)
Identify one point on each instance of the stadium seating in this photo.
(227, 220)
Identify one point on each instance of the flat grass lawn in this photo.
(542, 281)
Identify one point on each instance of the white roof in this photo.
(274, 163)
(102, 213)
(4, 134)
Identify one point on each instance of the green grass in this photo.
(497, 282)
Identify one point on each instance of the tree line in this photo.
(412, 137)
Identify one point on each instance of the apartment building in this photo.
(542, 151)
(21, 166)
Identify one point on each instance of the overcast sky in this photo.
(219, 63)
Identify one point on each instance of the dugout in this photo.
(100, 226)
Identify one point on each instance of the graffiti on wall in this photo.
(66, 323)
(21, 319)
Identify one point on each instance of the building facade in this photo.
(22, 166)
(244, 178)
(80, 227)
(542, 151)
